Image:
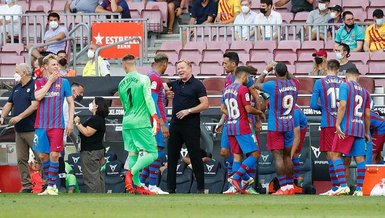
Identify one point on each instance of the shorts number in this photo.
(287, 103)
(358, 99)
(334, 95)
(129, 94)
(232, 108)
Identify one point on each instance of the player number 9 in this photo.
(287, 103)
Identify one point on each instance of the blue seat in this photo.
(79, 177)
(114, 182)
(74, 159)
(215, 176)
(184, 178)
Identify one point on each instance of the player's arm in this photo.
(148, 98)
(367, 123)
(224, 110)
(315, 96)
(4, 113)
(281, 3)
(115, 7)
(67, 8)
(261, 78)
(297, 135)
(25, 113)
(340, 115)
(253, 111)
(204, 105)
(71, 110)
(40, 94)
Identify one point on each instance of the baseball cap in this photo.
(378, 13)
(336, 8)
(323, 1)
(320, 53)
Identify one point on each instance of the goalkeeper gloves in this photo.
(155, 124)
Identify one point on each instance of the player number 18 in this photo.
(232, 108)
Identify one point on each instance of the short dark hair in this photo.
(102, 109)
(53, 14)
(346, 48)
(128, 57)
(61, 51)
(346, 13)
(232, 56)
(242, 69)
(76, 84)
(268, 2)
(378, 13)
(353, 71)
(281, 69)
(333, 65)
(161, 58)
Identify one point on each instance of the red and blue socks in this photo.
(339, 169)
(360, 175)
(333, 176)
(45, 168)
(53, 173)
(247, 163)
(296, 166)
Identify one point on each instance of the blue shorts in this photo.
(40, 141)
(358, 148)
(160, 140)
(243, 144)
(224, 139)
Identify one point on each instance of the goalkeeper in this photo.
(139, 141)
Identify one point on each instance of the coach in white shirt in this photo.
(268, 16)
(247, 17)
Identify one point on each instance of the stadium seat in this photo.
(79, 177)
(214, 177)
(359, 13)
(243, 58)
(376, 3)
(116, 102)
(39, 6)
(363, 4)
(213, 56)
(7, 70)
(305, 85)
(214, 84)
(58, 5)
(184, 177)
(363, 68)
(211, 68)
(370, 10)
(376, 67)
(170, 71)
(73, 158)
(289, 45)
(305, 54)
(162, 7)
(329, 46)
(243, 46)
(172, 55)
(135, 14)
(18, 48)
(303, 68)
(300, 17)
(367, 83)
(223, 46)
(331, 55)
(261, 56)
(362, 57)
(114, 183)
(110, 156)
(335, 2)
(313, 45)
(268, 45)
(377, 56)
(199, 46)
(144, 70)
(260, 66)
(171, 46)
(137, 6)
(224, 34)
(154, 20)
(192, 55)
(287, 17)
(285, 56)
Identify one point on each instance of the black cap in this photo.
(378, 13)
(336, 8)
(323, 1)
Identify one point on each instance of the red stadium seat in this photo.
(11, 59)
(223, 46)
(214, 84)
(192, 55)
(370, 10)
(154, 17)
(256, 55)
(173, 57)
(300, 17)
(144, 69)
(305, 85)
(213, 56)
(303, 68)
(367, 83)
(135, 14)
(243, 46)
(135, 6)
(335, 2)
(244, 58)
(286, 56)
(313, 45)
(363, 57)
(363, 68)
(58, 5)
(289, 44)
(7, 70)
(40, 5)
(268, 45)
(199, 46)
(171, 45)
(211, 68)
(329, 45)
(377, 56)
(376, 67)
(161, 6)
(196, 69)
(287, 17)
(363, 4)
(260, 66)
(18, 48)
(305, 54)
(376, 3)
(331, 55)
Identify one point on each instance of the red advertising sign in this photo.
(109, 33)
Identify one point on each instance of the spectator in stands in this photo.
(320, 63)
(92, 149)
(227, 11)
(10, 8)
(64, 70)
(103, 65)
(38, 68)
(85, 6)
(175, 9)
(336, 18)
(297, 5)
(114, 6)
(268, 16)
(23, 104)
(55, 33)
(246, 17)
(350, 33)
(318, 18)
(375, 33)
(342, 54)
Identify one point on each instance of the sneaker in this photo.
(328, 193)
(26, 190)
(297, 189)
(53, 191)
(157, 190)
(230, 191)
(128, 182)
(250, 190)
(236, 184)
(45, 192)
(280, 192)
(358, 193)
(290, 191)
(142, 190)
(247, 183)
(342, 191)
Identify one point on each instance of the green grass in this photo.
(125, 205)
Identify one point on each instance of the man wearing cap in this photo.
(320, 60)
(296, 5)
(350, 33)
(375, 33)
(335, 14)
(318, 17)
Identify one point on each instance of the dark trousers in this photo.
(91, 164)
(190, 135)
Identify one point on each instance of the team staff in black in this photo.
(22, 101)
(189, 99)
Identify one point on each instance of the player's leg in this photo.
(275, 143)
(174, 146)
(154, 167)
(288, 142)
(131, 159)
(377, 143)
(41, 147)
(326, 143)
(144, 175)
(225, 151)
(358, 151)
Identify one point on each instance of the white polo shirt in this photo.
(273, 18)
(247, 19)
(15, 9)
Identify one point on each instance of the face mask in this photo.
(339, 56)
(318, 60)
(63, 62)
(333, 15)
(17, 77)
(79, 98)
(90, 54)
(53, 24)
(349, 26)
(38, 72)
(262, 10)
(379, 22)
(245, 9)
(91, 106)
(322, 6)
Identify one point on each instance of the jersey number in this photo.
(287, 103)
(232, 108)
(129, 97)
(358, 99)
(334, 95)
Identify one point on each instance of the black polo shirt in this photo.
(21, 98)
(187, 96)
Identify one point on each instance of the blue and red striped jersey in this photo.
(300, 119)
(326, 90)
(230, 78)
(377, 124)
(235, 98)
(158, 94)
(357, 100)
(49, 113)
(283, 97)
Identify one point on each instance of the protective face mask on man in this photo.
(91, 106)
(339, 56)
(53, 24)
(333, 15)
(79, 98)
(17, 77)
(90, 54)
(379, 22)
(245, 9)
(322, 6)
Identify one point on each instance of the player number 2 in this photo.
(287, 103)
(334, 95)
(358, 99)
(232, 108)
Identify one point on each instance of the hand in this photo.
(77, 119)
(170, 94)
(181, 114)
(262, 116)
(218, 128)
(178, 12)
(165, 131)
(52, 78)
(270, 66)
(14, 120)
(341, 135)
(70, 128)
(1, 120)
(367, 138)
(155, 124)
(258, 126)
